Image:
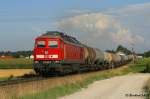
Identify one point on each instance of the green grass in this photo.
(146, 62)
(56, 92)
(17, 63)
(140, 66)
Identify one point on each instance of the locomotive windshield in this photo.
(53, 44)
(41, 44)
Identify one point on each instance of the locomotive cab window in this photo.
(53, 44)
(41, 44)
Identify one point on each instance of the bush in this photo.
(147, 69)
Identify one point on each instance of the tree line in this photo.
(146, 54)
(127, 51)
(16, 54)
(120, 48)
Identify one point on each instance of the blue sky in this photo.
(23, 20)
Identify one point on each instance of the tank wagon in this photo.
(56, 52)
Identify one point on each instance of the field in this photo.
(86, 79)
(17, 63)
(6, 73)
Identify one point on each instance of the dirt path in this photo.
(14, 72)
(114, 88)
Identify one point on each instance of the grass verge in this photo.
(17, 63)
(147, 70)
(68, 88)
(147, 89)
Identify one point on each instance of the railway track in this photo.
(28, 78)
(20, 80)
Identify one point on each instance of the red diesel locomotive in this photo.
(54, 50)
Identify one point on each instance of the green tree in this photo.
(147, 54)
(123, 49)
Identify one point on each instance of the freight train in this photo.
(56, 52)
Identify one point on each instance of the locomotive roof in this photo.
(62, 35)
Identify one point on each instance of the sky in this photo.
(102, 24)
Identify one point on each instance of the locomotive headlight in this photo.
(53, 56)
(40, 56)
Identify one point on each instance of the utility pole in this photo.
(133, 52)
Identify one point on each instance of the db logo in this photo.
(46, 52)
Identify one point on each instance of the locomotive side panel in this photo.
(72, 53)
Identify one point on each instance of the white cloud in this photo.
(98, 27)
(124, 36)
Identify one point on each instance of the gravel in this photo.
(122, 87)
